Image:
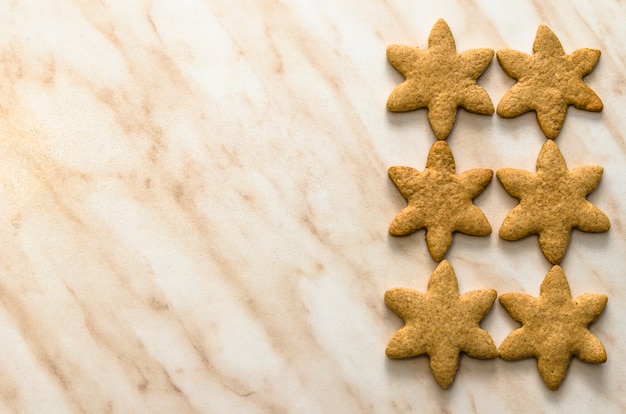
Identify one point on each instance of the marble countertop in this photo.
(194, 205)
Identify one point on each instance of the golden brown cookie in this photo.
(552, 202)
(441, 323)
(439, 200)
(440, 79)
(548, 81)
(554, 327)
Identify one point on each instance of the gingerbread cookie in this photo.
(441, 323)
(440, 79)
(552, 202)
(554, 327)
(548, 81)
(440, 200)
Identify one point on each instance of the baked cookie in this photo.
(440, 79)
(554, 327)
(548, 81)
(440, 200)
(441, 323)
(551, 202)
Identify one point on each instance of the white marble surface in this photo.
(194, 206)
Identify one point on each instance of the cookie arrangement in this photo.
(442, 323)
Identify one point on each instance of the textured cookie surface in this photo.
(440, 79)
(548, 81)
(552, 202)
(440, 200)
(554, 327)
(441, 323)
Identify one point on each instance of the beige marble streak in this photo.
(194, 206)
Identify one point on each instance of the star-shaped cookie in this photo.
(551, 202)
(441, 323)
(548, 81)
(440, 79)
(554, 327)
(440, 200)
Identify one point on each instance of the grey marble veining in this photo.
(194, 206)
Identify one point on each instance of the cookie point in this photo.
(392, 172)
(500, 53)
(551, 134)
(502, 299)
(437, 256)
(390, 352)
(440, 133)
(445, 383)
(544, 29)
(394, 231)
(549, 131)
(595, 105)
(493, 294)
(438, 250)
(394, 105)
(552, 258)
(549, 145)
(502, 110)
(553, 386)
(441, 21)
